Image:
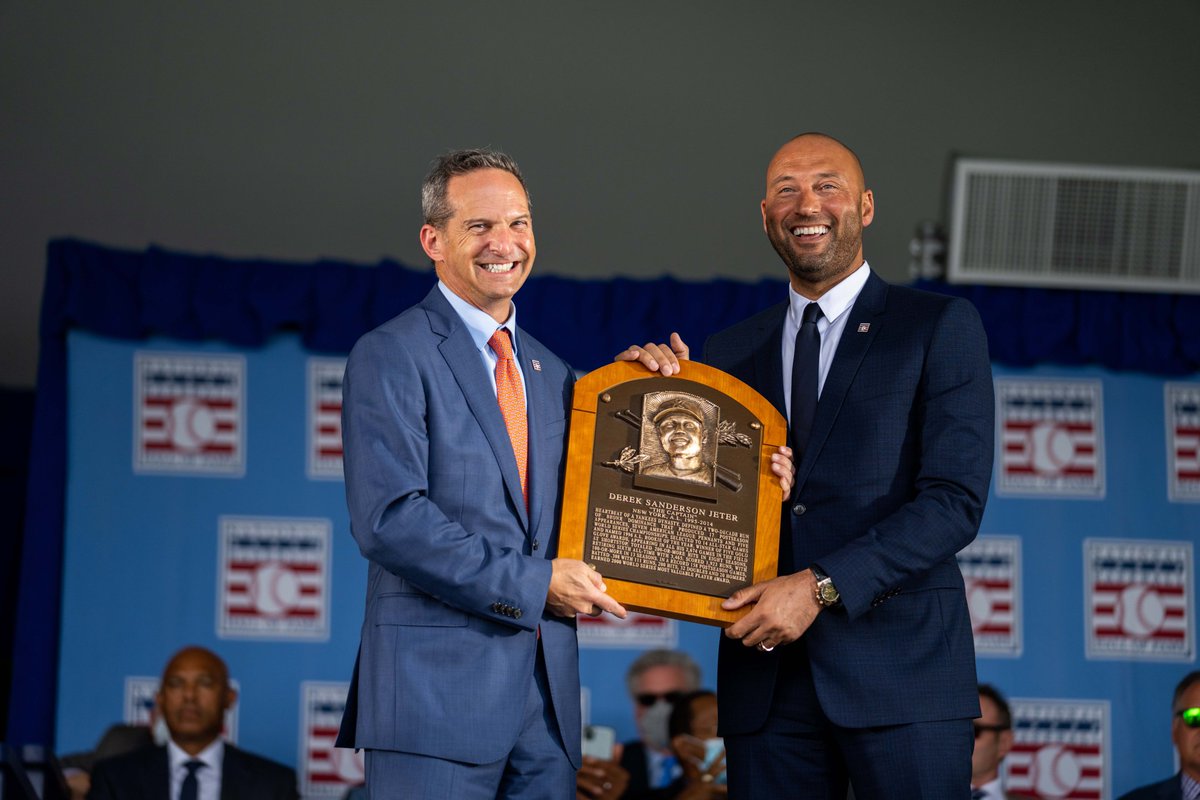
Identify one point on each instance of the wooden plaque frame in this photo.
(591, 392)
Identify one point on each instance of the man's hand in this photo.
(602, 780)
(576, 588)
(658, 357)
(784, 607)
(785, 469)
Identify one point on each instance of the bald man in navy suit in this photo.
(857, 663)
(196, 764)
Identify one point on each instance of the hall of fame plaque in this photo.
(669, 492)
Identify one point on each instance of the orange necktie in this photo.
(512, 404)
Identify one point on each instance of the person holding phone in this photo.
(701, 753)
(601, 777)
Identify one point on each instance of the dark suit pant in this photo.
(799, 753)
(537, 768)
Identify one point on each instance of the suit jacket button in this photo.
(516, 613)
(535, 544)
(496, 608)
(799, 509)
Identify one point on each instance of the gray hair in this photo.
(434, 205)
(664, 658)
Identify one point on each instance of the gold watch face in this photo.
(829, 594)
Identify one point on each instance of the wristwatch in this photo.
(827, 593)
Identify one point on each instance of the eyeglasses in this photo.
(648, 699)
(981, 729)
(1190, 717)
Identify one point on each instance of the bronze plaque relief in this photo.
(669, 486)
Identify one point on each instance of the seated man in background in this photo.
(993, 740)
(196, 762)
(656, 679)
(1185, 733)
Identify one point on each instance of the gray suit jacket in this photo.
(459, 570)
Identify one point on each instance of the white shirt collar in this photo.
(212, 756)
(479, 323)
(994, 789)
(834, 302)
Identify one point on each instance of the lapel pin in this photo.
(863, 327)
(537, 365)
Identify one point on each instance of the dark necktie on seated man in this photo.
(191, 785)
(806, 376)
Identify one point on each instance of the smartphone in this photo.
(598, 741)
(713, 748)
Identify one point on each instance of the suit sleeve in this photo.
(101, 786)
(953, 421)
(390, 394)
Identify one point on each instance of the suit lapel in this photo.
(538, 396)
(860, 331)
(231, 773)
(463, 359)
(157, 778)
(768, 362)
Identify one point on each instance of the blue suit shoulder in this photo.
(1170, 789)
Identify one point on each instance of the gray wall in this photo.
(295, 130)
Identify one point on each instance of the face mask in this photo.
(653, 725)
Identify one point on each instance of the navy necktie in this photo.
(806, 366)
(191, 786)
(978, 794)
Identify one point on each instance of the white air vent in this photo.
(1080, 227)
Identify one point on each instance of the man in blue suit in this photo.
(856, 663)
(1185, 733)
(466, 683)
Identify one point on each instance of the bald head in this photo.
(194, 696)
(814, 211)
(817, 139)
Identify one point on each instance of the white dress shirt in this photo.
(208, 778)
(835, 305)
(993, 790)
(481, 326)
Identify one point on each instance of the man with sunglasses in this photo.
(1185, 733)
(993, 740)
(656, 679)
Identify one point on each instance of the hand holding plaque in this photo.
(669, 490)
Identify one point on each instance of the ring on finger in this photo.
(763, 647)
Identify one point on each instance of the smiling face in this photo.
(485, 250)
(680, 434)
(815, 210)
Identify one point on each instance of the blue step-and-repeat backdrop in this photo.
(204, 504)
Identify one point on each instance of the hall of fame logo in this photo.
(1051, 438)
(140, 694)
(1183, 441)
(325, 417)
(1139, 599)
(991, 568)
(325, 770)
(635, 631)
(273, 578)
(1060, 749)
(189, 414)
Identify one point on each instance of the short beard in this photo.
(835, 260)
